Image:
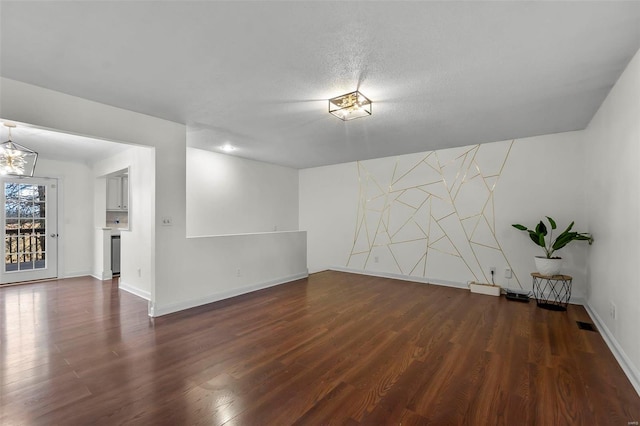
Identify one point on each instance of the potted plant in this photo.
(543, 237)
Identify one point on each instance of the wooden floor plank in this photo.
(335, 348)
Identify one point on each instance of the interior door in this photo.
(30, 228)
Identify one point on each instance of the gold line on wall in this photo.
(431, 206)
(417, 263)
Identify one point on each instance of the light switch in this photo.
(167, 221)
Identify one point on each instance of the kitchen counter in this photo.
(115, 231)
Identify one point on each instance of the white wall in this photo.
(179, 278)
(544, 177)
(612, 177)
(75, 214)
(256, 261)
(231, 195)
(328, 210)
(445, 216)
(135, 243)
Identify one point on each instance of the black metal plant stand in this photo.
(552, 291)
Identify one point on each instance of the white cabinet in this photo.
(118, 193)
(114, 193)
(125, 193)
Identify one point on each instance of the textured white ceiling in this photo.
(60, 146)
(258, 74)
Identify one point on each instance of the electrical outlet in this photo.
(167, 221)
(508, 273)
(376, 259)
(492, 270)
(238, 272)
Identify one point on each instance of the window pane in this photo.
(24, 190)
(28, 262)
(25, 209)
(39, 225)
(40, 193)
(11, 209)
(11, 191)
(26, 226)
(24, 243)
(11, 263)
(39, 262)
(39, 242)
(11, 245)
(39, 210)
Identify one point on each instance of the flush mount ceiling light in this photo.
(228, 147)
(16, 159)
(350, 106)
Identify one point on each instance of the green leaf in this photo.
(585, 237)
(552, 222)
(540, 233)
(536, 238)
(563, 240)
(541, 229)
(568, 228)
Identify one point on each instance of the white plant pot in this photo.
(548, 266)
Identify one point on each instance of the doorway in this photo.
(30, 229)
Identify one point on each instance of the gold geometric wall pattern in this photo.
(428, 209)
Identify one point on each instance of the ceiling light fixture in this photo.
(350, 106)
(16, 159)
(228, 147)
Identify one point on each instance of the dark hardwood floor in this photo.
(336, 348)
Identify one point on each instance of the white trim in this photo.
(434, 281)
(102, 276)
(574, 300)
(242, 234)
(625, 363)
(156, 311)
(60, 226)
(577, 301)
(76, 274)
(134, 290)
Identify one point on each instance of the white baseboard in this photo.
(76, 274)
(632, 372)
(423, 280)
(102, 276)
(134, 290)
(575, 300)
(156, 311)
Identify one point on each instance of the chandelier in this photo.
(16, 159)
(350, 106)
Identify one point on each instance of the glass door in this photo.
(30, 229)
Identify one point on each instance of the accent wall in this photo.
(445, 216)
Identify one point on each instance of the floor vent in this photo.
(586, 326)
